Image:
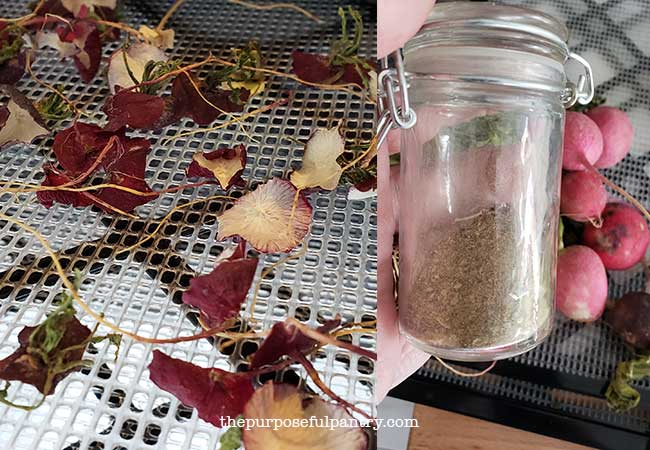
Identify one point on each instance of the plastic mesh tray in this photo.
(613, 36)
(113, 405)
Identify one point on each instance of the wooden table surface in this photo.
(443, 430)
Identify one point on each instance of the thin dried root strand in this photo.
(268, 270)
(26, 17)
(270, 6)
(466, 374)
(294, 205)
(327, 339)
(168, 15)
(99, 317)
(338, 87)
(228, 123)
(51, 88)
(30, 188)
(362, 325)
(121, 26)
(623, 192)
(313, 374)
(597, 222)
(112, 141)
(349, 331)
(212, 105)
(172, 73)
(169, 215)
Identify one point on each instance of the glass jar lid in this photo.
(489, 25)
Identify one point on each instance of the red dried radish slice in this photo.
(216, 394)
(264, 217)
(30, 368)
(287, 340)
(85, 36)
(220, 293)
(78, 6)
(319, 166)
(134, 109)
(282, 402)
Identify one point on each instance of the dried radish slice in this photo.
(137, 57)
(22, 123)
(272, 218)
(215, 393)
(283, 402)
(77, 6)
(319, 166)
(52, 40)
(219, 294)
(225, 165)
(163, 39)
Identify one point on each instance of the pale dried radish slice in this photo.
(319, 166)
(225, 165)
(137, 57)
(283, 402)
(163, 39)
(22, 123)
(272, 218)
(52, 40)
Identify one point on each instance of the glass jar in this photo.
(480, 177)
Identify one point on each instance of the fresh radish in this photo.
(622, 239)
(583, 197)
(581, 291)
(617, 131)
(582, 139)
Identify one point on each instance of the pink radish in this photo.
(582, 139)
(617, 132)
(581, 291)
(622, 239)
(583, 196)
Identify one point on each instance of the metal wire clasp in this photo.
(394, 114)
(582, 91)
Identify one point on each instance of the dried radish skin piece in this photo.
(85, 36)
(216, 394)
(137, 57)
(284, 401)
(319, 166)
(76, 6)
(135, 109)
(225, 165)
(220, 294)
(31, 369)
(188, 102)
(22, 122)
(54, 178)
(263, 217)
(287, 340)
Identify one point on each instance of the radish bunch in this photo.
(614, 235)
